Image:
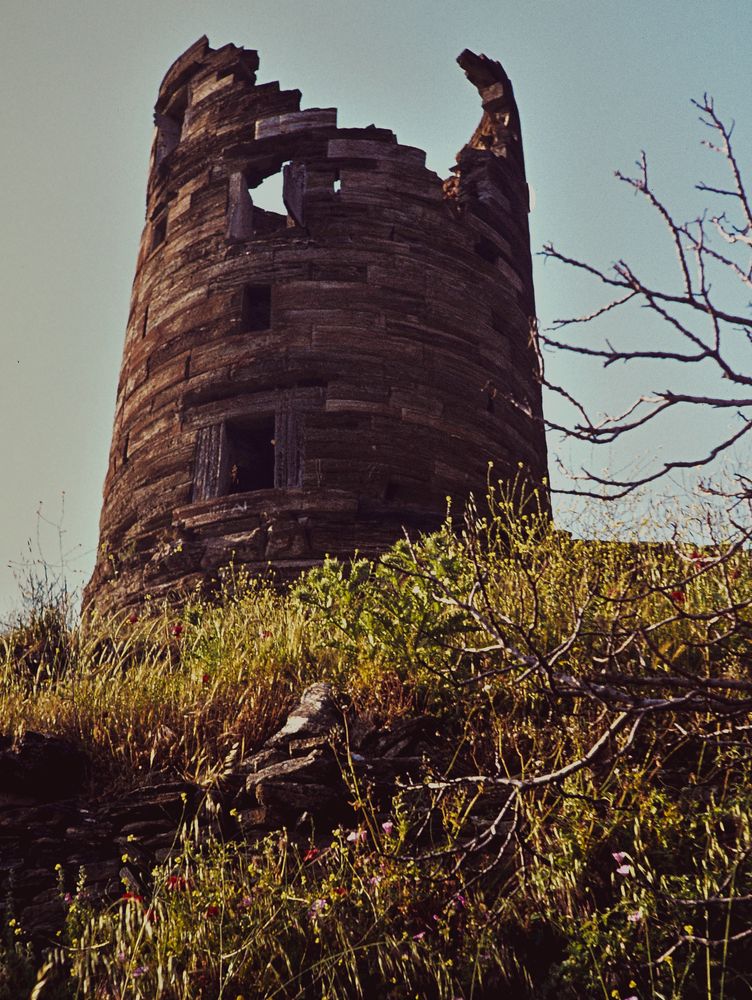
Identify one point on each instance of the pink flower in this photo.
(388, 827)
(619, 857)
(635, 917)
(419, 936)
(624, 870)
(317, 907)
(357, 836)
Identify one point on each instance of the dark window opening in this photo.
(145, 324)
(251, 456)
(170, 124)
(404, 491)
(125, 448)
(159, 231)
(256, 308)
(486, 249)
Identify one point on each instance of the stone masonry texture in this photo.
(315, 380)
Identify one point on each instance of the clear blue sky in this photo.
(596, 81)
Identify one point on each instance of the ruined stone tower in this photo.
(310, 382)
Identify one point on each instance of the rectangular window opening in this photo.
(159, 231)
(486, 249)
(251, 456)
(256, 308)
(337, 186)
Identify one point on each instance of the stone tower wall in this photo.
(310, 382)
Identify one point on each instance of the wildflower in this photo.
(132, 897)
(212, 910)
(624, 870)
(176, 883)
(68, 898)
(619, 857)
(132, 618)
(245, 903)
(388, 827)
(140, 970)
(205, 679)
(678, 596)
(265, 633)
(419, 936)
(635, 917)
(177, 629)
(311, 853)
(340, 891)
(317, 907)
(357, 836)
(460, 902)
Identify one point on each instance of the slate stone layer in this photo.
(311, 381)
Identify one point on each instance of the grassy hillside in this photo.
(584, 831)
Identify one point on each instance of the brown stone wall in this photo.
(310, 382)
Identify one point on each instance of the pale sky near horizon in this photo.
(596, 81)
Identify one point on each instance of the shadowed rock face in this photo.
(312, 380)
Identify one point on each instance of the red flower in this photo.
(678, 596)
(311, 853)
(177, 629)
(132, 618)
(205, 679)
(176, 883)
(132, 897)
(212, 910)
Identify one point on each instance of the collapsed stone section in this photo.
(312, 380)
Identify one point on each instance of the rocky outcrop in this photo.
(57, 837)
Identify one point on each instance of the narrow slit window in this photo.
(337, 187)
(251, 456)
(145, 325)
(256, 308)
(159, 232)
